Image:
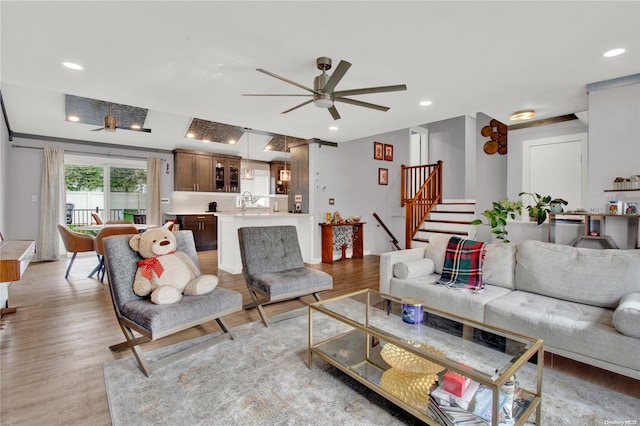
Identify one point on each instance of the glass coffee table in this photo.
(408, 354)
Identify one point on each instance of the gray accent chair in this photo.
(274, 270)
(153, 322)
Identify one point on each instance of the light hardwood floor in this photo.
(53, 348)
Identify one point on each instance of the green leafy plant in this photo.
(542, 205)
(497, 217)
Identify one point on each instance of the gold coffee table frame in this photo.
(368, 319)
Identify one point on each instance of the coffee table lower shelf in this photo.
(350, 353)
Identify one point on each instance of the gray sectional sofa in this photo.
(584, 303)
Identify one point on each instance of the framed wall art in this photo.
(383, 176)
(378, 151)
(388, 152)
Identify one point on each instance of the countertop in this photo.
(235, 213)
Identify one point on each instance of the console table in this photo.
(329, 234)
(14, 258)
(589, 220)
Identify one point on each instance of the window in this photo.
(114, 188)
(258, 187)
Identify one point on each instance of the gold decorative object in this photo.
(411, 388)
(408, 362)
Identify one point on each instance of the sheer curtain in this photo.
(52, 204)
(154, 213)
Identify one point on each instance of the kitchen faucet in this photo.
(244, 200)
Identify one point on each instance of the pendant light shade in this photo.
(248, 173)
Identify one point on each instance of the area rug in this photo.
(261, 378)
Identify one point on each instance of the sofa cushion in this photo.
(413, 268)
(436, 250)
(569, 326)
(461, 303)
(590, 276)
(499, 265)
(626, 317)
(463, 264)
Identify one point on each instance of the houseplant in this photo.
(542, 205)
(498, 215)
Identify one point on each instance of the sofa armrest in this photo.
(387, 260)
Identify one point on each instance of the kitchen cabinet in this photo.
(278, 186)
(227, 173)
(204, 228)
(193, 171)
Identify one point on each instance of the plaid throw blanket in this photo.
(463, 264)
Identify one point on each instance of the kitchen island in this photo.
(228, 223)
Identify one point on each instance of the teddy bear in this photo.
(165, 273)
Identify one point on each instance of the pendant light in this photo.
(248, 173)
(285, 175)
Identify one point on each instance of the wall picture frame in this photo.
(388, 152)
(383, 176)
(378, 151)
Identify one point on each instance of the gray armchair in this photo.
(274, 270)
(153, 322)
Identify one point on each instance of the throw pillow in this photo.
(463, 264)
(626, 317)
(413, 268)
(436, 250)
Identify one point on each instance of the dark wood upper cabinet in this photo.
(206, 172)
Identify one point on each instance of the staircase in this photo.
(425, 211)
(451, 217)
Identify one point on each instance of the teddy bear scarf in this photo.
(151, 265)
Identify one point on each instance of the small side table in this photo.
(593, 218)
(328, 241)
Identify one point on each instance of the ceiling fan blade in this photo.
(334, 113)
(297, 106)
(396, 88)
(286, 80)
(337, 75)
(362, 104)
(269, 94)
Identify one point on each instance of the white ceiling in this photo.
(195, 59)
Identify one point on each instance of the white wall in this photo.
(4, 151)
(447, 143)
(349, 174)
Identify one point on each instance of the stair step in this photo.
(442, 231)
(453, 216)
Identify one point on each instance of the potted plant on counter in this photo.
(542, 206)
(498, 215)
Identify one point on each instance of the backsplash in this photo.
(198, 202)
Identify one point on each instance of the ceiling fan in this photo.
(111, 124)
(323, 93)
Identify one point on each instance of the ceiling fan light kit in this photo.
(323, 94)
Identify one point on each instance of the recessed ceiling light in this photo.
(613, 52)
(73, 118)
(206, 140)
(135, 126)
(425, 103)
(333, 128)
(522, 115)
(232, 141)
(73, 66)
(267, 148)
(191, 135)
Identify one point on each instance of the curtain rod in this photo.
(130, 157)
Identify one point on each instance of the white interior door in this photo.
(558, 167)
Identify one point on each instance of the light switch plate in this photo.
(331, 201)
(298, 198)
